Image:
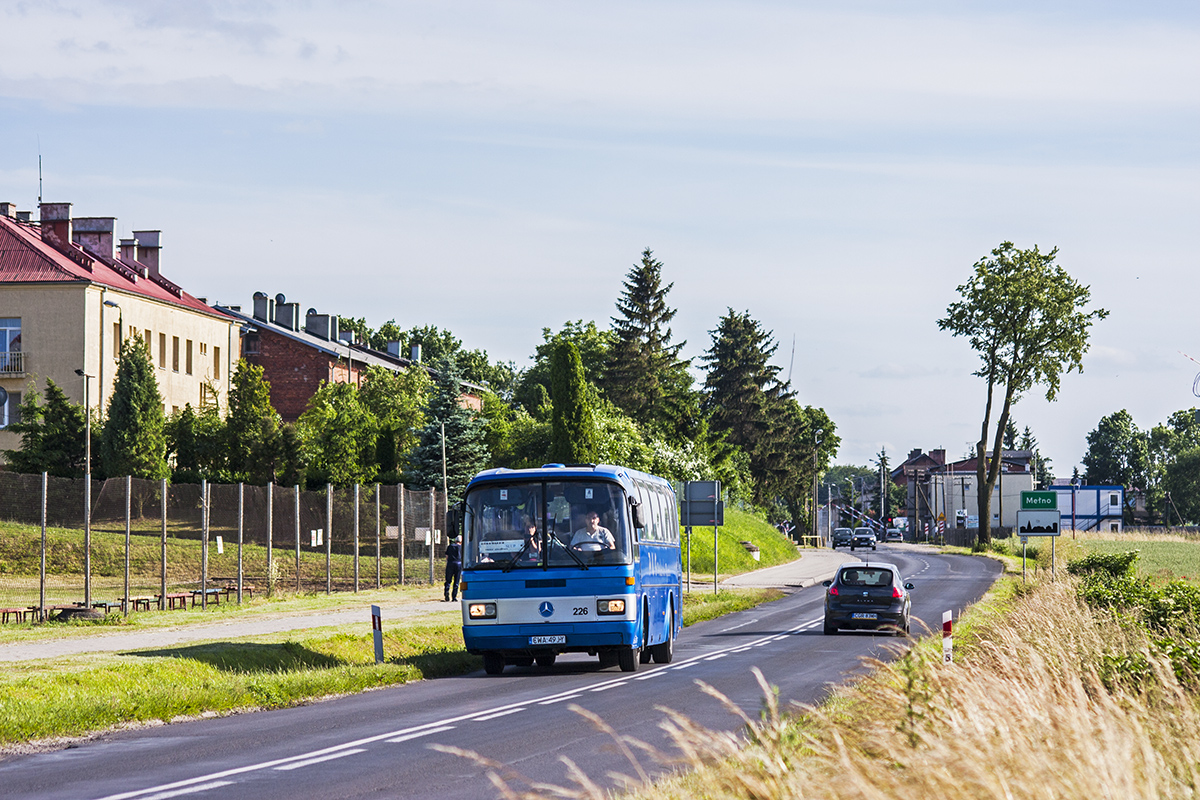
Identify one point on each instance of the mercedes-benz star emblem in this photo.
(546, 609)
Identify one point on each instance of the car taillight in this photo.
(896, 593)
(833, 590)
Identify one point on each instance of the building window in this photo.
(116, 340)
(1114, 500)
(204, 348)
(1114, 527)
(162, 351)
(11, 357)
(10, 412)
(175, 353)
(251, 345)
(217, 362)
(188, 363)
(147, 336)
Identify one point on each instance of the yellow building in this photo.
(67, 301)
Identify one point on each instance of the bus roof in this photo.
(561, 471)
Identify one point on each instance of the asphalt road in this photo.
(377, 744)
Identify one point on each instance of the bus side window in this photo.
(670, 517)
(656, 515)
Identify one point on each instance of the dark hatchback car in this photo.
(841, 537)
(863, 537)
(867, 596)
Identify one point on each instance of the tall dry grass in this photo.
(1024, 713)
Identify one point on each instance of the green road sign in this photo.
(1039, 501)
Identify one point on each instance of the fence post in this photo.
(432, 513)
(241, 523)
(162, 589)
(203, 545)
(328, 538)
(400, 524)
(42, 571)
(296, 494)
(356, 538)
(378, 551)
(125, 601)
(270, 537)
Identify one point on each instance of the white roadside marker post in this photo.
(947, 637)
(377, 630)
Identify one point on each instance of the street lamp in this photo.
(120, 323)
(87, 487)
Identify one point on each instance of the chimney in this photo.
(938, 456)
(147, 249)
(264, 307)
(915, 452)
(8, 209)
(24, 216)
(393, 349)
(346, 336)
(416, 354)
(317, 324)
(287, 315)
(95, 234)
(129, 251)
(56, 223)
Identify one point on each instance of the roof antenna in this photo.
(792, 361)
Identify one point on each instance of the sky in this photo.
(834, 169)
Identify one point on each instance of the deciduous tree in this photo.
(1028, 321)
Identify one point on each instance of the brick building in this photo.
(297, 354)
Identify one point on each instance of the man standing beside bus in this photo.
(453, 568)
(593, 532)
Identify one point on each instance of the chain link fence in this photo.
(131, 544)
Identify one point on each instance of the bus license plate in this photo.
(547, 640)
(863, 615)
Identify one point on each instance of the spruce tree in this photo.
(52, 435)
(134, 439)
(338, 433)
(466, 451)
(644, 375)
(573, 438)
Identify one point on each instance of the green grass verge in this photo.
(774, 547)
(700, 605)
(80, 694)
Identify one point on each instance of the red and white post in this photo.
(947, 637)
(377, 631)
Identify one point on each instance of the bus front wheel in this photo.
(628, 658)
(493, 663)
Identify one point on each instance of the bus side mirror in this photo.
(453, 515)
(635, 508)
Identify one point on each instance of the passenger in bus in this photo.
(533, 544)
(592, 536)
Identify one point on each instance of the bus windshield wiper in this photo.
(513, 561)
(570, 552)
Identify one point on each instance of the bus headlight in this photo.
(610, 606)
(481, 611)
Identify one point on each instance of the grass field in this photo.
(1162, 556)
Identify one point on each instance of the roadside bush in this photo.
(1117, 565)
(1171, 606)
(1116, 593)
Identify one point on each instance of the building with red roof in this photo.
(69, 296)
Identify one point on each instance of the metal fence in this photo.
(132, 543)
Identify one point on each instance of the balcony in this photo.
(12, 365)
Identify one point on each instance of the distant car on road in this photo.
(867, 596)
(894, 535)
(863, 537)
(841, 537)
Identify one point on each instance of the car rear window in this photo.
(865, 576)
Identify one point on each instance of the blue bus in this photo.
(570, 559)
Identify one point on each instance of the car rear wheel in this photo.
(830, 629)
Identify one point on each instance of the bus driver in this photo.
(593, 534)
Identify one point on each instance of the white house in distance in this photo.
(1090, 508)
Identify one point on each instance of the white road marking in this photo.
(554, 700)
(212, 780)
(418, 734)
(494, 716)
(319, 759)
(204, 787)
(608, 686)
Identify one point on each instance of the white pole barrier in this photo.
(947, 637)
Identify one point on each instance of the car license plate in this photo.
(554, 639)
(863, 615)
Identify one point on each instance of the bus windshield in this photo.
(523, 525)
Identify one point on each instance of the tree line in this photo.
(620, 394)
